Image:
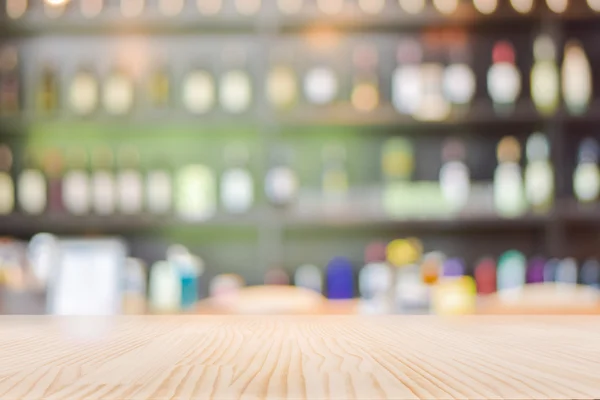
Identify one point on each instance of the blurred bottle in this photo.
(309, 276)
(412, 6)
(397, 167)
(225, 288)
(76, 183)
(7, 187)
(198, 91)
(104, 186)
(118, 92)
(165, 288)
(453, 268)
(91, 8)
(189, 269)
(566, 272)
(84, 92)
(135, 291)
(365, 90)
(132, 8)
(130, 185)
(375, 281)
(282, 86)
(281, 182)
(195, 192)
(485, 276)
(535, 271)
(455, 181)
(456, 296)
(539, 176)
(54, 9)
(335, 175)
(576, 78)
(159, 88)
(321, 85)
(590, 273)
(340, 279)
(235, 84)
(410, 292)
(209, 7)
(446, 7)
(290, 7)
(237, 185)
(9, 81)
(509, 197)
(522, 6)
(372, 7)
(459, 80)
(159, 188)
(407, 81)
(511, 274)
(586, 178)
(558, 6)
(15, 9)
(486, 6)
(432, 267)
(433, 106)
(247, 7)
(171, 8)
(48, 91)
(54, 168)
(32, 189)
(330, 7)
(545, 86)
(550, 269)
(594, 5)
(43, 255)
(504, 78)
(277, 276)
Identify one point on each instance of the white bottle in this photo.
(195, 193)
(235, 91)
(434, 106)
(455, 181)
(375, 281)
(503, 78)
(485, 6)
(586, 178)
(159, 190)
(7, 187)
(118, 93)
(237, 185)
(281, 182)
(309, 276)
(130, 188)
(545, 85)
(522, 6)
(459, 81)
(539, 176)
(32, 189)
(165, 288)
(558, 6)
(104, 191)
(576, 79)
(509, 196)
(321, 85)
(76, 184)
(407, 83)
(198, 92)
(84, 93)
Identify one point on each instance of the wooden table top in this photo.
(306, 357)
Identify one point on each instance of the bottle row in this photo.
(422, 90)
(395, 277)
(58, 182)
(16, 9)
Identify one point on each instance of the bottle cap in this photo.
(538, 147)
(503, 52)
(6, 158)
(375, 252)
(535, 271)
(453, 150)
(509, 150)
(398, 158)
(544, 48)
(409, 52)
(53, 162)
(365, 57)
(453, 268)
(588, 151)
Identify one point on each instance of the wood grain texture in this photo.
(302, 357)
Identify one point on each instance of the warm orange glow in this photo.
(323, 38)
(365, 97)
(16, 8)
(412, 6)
(56, 2)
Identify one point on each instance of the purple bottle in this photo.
(340, 282)
(535, 271)
(453, 268)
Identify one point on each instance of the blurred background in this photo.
(299, 156)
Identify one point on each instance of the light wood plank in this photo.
(300, 357)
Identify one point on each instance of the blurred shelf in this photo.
(190, 21)
(16, 224)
